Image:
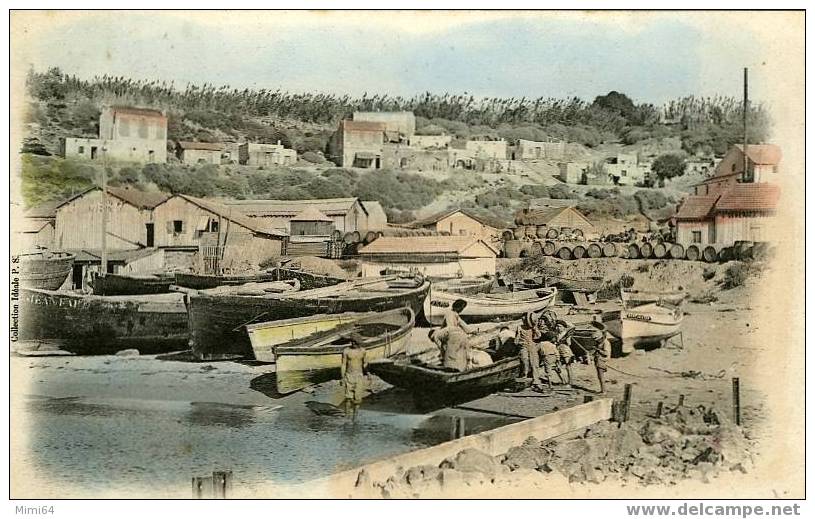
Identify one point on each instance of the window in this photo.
(623, 173)
(81, 150)
(178, 226)
(732, 167)
(696, 236)
(213, 226)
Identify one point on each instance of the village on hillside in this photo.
(252, 292)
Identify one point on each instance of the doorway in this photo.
(150, 227)
(76, 276)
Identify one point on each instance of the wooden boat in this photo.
(317, 358)
(464, 285)
(90, 324)
(648, 324)
(589, 284)
(266, 336)
(490, 307)
(632, 297)
(217, 320)
(122, 285)
(438, 385)
(206, 281)
(45, 270)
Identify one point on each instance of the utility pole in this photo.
(744, 122)
(104, 210)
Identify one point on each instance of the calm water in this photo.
(96, 443)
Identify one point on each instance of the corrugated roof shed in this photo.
(231, 213)
(138, 198)
(44, 210)
(289, 208)
(421, 245)
(696, 207)
(750, 197)
(311, 214)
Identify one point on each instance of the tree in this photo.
(616, 102)
(668, 166)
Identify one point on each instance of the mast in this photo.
(744, 123)
(104, 211)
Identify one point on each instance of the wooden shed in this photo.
(436, 256)
(556, 217)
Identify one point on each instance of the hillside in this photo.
(59, 105)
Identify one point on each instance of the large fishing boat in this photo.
(218, 319)
(45, 270)
(89, 324)
(130, 285)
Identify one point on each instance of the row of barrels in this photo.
(646, 250)
(542, 232)
(364, 238)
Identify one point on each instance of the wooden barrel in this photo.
(512, 248)
(693, 253)
(677, 251)
(348, 238)
(578, 233)
(356, 237)
(564, 253)
(725, 254)
(541, 231)
(566, 230)
(578, 251)
(519, 232)
(350, 249)
(660, 250)
(594, 250)
(549, 248)
(646, 250)
(741, 249)
(610, 249)
(531, 231)
(536, 249)
(506, 235)
(633, 251)
(369, 237)
(623, 252)
(525, 250)
(336, 235)
(709, 254)
(552, 233)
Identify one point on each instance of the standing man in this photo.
(527, 337)
(353, 370)
(601, 353)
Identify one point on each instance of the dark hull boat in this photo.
(589, 285)
(436, 385)
(121, 285)
(206, 281)
(102, 325)
(218, 320)
(318, 357)
(45, 270)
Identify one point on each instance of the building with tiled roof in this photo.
(347, 214)
(460, 222)
(358, 144)
(199, 152)
(434, 256)
(763, 162)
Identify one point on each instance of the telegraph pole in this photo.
(104, 210)
(744, 122)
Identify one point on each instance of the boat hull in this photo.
(102, 325)
(495, 308)
(265, 337)
(308, 364)
(641, 328)
(466, 286)
(306, 279)
(433, 385)
(46, 271)
(217, 322)
(116, 285)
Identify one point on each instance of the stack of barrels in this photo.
(352, 241)
(567, 245)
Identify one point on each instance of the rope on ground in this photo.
(609, 366)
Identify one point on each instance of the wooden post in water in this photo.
(221, 484)
(626, 402)
(201, 487)
(681, 401)
(658, 414)
(736, 402)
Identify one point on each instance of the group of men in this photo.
(542, 340)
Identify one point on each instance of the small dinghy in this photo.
(490, 307)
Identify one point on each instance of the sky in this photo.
(652, 57)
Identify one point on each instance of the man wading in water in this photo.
(353, 373)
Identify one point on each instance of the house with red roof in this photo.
(763, 161)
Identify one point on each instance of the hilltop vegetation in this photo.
(61, 105)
